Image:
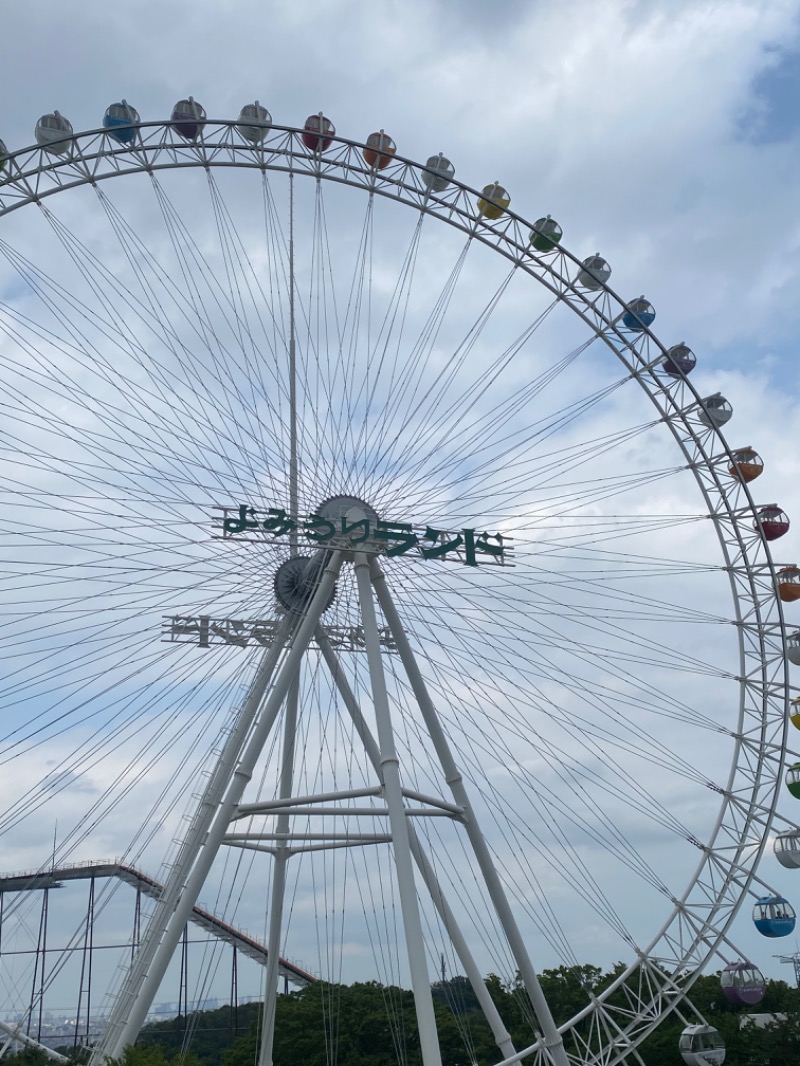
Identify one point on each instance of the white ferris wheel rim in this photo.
(702, 916)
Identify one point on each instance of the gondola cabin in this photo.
(742, 984)
(493, 201)
(318, 133)
(546, 234)
(54, 134)
(120, 121)
(254, 122)
(594, 273)
(188, 118)
(679, 361)
(772, 521)
(793, 655)
(787, 849)
(700, 1045)
(438, 173)
(746, 464)
(380, 150)
(789, 583)
(3, 156)
(640, 315)
(715, 411)
(793, 780)
(794, 712)
(773, 917)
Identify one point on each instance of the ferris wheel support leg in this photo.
(110, 1045)
(500, 1033)
(398, 823)
(15, 1035)
(552, 1038)
(278, 892)
(241, 776)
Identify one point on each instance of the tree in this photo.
(152, 1055)
(368, 1024)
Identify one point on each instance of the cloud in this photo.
(628, 127)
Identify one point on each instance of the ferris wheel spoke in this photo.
(225, 368)
(495, 450)
(480, 733)
(87, 265)
(598, 689)
(113, 420)
(235, 375)
(619, 743)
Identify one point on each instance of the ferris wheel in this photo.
(332, 484)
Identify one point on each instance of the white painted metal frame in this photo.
(727, 860)
(406, 846)
(190, 871)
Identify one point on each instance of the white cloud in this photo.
(624, 125)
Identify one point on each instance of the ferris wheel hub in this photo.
(351, 509)
(296, 581)
(353, 522)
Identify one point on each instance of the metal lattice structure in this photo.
(660, 973)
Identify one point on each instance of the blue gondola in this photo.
(639, 315)
(121, 121)
(773, 916)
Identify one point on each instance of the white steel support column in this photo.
(500, 1033)
(243, 771)
(552, 1038)
(15, 1035)
(281, 858)
(113, 1040)
(412, 925)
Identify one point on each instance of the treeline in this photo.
(368, 1024)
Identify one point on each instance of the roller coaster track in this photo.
(34, 880)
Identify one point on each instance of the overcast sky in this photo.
(664, 135)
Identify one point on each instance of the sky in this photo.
(664, 136)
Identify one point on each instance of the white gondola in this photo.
(715, 410)
(594, 273)
(787, 849)
(701, 1045)
(793, 647)
(438, 173)
(254, 122)
(54, 134)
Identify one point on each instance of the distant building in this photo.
(761, 1021)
